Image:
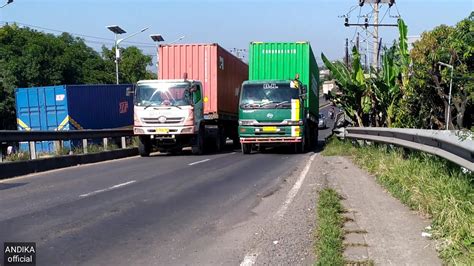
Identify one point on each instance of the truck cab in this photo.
(168, 115)
(271, 112)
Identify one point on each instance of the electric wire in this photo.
(84, 36)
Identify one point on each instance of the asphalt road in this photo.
(162, 210)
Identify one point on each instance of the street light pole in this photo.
(450, 90)
(117, 56)
(177, 40)
(157, 38)
(7, 3)
(117, 30)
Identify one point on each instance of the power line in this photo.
(111, 41)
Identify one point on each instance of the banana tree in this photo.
(387, 88)
(355, 97)
(393, 80)
(404, 54)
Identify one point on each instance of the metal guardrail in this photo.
(446, 144)
(58, 136)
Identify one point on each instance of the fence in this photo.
(58, 136)
(455, 146)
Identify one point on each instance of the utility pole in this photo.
(346, 58)
(375, 24)
(357, 42)
(367, 51)
(376, 35)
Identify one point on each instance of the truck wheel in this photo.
(300, 147)
(220, 139)
(236, 142)
(176, 151)
(246, 148)
(144, 146)
(198, 147)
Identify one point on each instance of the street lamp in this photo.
(117, 30)
(8, 2)
(157, 38)
(177, 40)
(450, 89)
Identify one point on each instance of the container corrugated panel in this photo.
(100, 106)
(282, 61)
(41, 108)
(69, 107)
(220, 72)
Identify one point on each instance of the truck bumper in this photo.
(164, 131)
(271, 140)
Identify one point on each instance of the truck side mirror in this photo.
(303, 90)
(303, 93)
(129, 91)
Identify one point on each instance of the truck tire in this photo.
(246, 148)
(144, 146)
(220, 139)
(300, 147)
(176, 151)
(198, 147)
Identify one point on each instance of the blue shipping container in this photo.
(71, 107)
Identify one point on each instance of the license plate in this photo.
(162, 130)
(269, 129)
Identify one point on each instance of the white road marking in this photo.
(249, 260)
(107, 189)
(199, 162)
(294, 190)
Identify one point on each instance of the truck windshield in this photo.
(268, 95)
(163, 94)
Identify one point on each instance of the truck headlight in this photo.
(138, 131)
(247, 122)
(293, 122)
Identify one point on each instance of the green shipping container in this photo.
(282, 61)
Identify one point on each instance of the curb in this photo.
(13, 169)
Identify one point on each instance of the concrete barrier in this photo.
(12, 169)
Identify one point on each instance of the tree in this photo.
(429, 86)
(30, 58)
(355, 97)
(132, 66)
(372, 100)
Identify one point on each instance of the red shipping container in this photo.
(220, 72)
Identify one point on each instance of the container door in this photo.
(42, 108)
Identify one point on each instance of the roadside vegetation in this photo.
(329, 247)
(411, 88)
(30, 58)
(428, 184)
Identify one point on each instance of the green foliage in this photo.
(428, 184)
(373, 98)
(132, 65)
(329, 245)
(354, 86)
(30, 58)
(425, 104)
(411, 90)
(19, 156)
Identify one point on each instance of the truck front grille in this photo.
(169, 120)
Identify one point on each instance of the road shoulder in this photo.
(380, 228)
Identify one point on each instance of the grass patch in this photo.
(431, 185)
(18, 156)
(329, 234)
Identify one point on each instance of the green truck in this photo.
(279, 103)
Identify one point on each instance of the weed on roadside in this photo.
(329, 247)
(431, 185)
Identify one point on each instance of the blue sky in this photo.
(231, 23)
